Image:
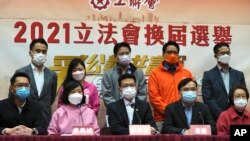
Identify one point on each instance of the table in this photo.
(168, 137)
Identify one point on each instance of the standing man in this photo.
(218, 81)
(163, 81)
(128, 110)
(110, 87)
(43, 81)
(19, 115)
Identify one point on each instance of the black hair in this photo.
(231, 93)
(68, 88)
(73, 63)
(18, 74)
(119, 45)
(184, 82)
(219, 45)
(164, 47)
(125, 76)
(39, 40)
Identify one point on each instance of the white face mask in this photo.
(39, 59)
(240, 103)
(129, 92)
(75, 98)
(78, 75)
(124, 59)
(225, 59)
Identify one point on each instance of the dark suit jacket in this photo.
(214, 91)
(31, 115)
(175, 119)
(48, 92)
(118, 118)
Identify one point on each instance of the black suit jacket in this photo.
(214, 91)
(175, 119)
(118, 118)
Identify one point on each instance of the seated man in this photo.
(18, 115)
(187, 111)
(128, 110)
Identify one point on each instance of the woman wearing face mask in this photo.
(236, 114)
(72, 112)
(76, 71)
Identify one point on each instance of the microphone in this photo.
(79, 107)
(136, 112)
(201, 118)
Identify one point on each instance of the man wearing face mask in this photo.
(128, 110)
(163, 81)
(19, 115)
(187, 111)
(110, 87)
(218, 81)
(237, 113)
(43, 81)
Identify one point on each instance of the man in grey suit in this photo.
(218, 81)
(43, 81)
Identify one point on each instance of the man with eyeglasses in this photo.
(187, 111)
(218, 81)
(163, 81)
(18, 115)
(129, 110)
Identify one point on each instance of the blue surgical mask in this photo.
(22, 93)
(189, 96)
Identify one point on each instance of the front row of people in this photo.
(20, 116)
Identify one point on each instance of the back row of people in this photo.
(162, 86)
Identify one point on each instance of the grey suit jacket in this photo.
(214, 91)
(48, 92)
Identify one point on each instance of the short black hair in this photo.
(164, 47)
(39, 40)
(119, 45)
(18, 74)
(231, 93)
(68, 88)
(219, 45)
(125, 76)
(184, 82)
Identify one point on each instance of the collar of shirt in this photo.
(223, 70)
(34, 68)
(169, 66)
(127, 103)
(21, 107)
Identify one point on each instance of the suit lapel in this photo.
(46, 79)
(218, 75)
(32, 80)
(123, 111)
(181, 111)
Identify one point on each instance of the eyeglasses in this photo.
(128, 85)
(171, 51)
(19, 85)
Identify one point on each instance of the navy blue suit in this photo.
(214, 91)
(118, 117)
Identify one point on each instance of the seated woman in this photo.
(73, 111)
(236, 113)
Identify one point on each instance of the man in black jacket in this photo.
(129, 110)
(18, 115)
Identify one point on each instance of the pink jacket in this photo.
(67, 116)
(91, 93)
(230, 117)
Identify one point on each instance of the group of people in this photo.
(171, 89)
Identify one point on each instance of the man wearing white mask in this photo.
(187, 111)
(237, 113)
(218, 81)
(43, 81)
(110, 88)
(128, 110)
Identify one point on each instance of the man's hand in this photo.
(18, 130)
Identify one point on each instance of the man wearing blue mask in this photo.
(18, 115)
(187, 111)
